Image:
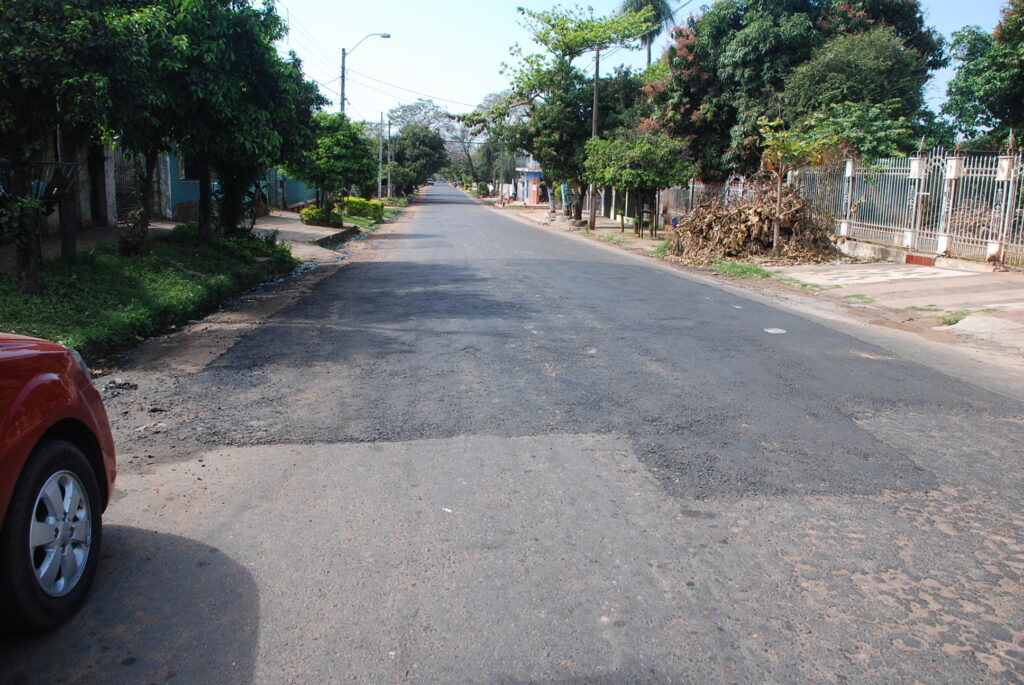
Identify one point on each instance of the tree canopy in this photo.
(735, 64)
(340, 157)
(418, 153)
(987, 92)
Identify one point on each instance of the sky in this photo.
(451, 51)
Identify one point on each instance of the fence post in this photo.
(1008, 179)
(954, 172)
(848, 179)
(916, 176)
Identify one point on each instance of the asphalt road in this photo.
(481, 451)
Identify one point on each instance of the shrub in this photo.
(482, 190)
(368, 209)
(320, 216)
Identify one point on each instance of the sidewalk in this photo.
(309, 243)
(985, 306)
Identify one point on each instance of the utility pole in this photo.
(380, 155)
(593, 134)
(389, 159)
(342, 110)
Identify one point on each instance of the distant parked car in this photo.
(57, 470)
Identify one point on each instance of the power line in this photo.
(378, 90)
(410, 90)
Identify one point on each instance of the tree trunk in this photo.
(577, 207)
(141, 228)
(777, 221)
(205, 200)
(70, 216)
(639, 223)
(31, 278)
(27, 244)
(649, 53)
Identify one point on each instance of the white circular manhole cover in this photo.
(775, 331)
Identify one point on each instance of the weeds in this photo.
(859, 298)
(660, 250)
(741, 270)
(953, 318)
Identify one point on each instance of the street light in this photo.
(345, 52)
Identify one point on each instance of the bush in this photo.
(368, 209)
(320, 216)
(482, 190)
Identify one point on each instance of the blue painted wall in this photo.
(185, 194)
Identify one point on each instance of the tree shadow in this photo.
(162, 607)
(445, 196)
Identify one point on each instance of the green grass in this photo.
(396, 202)
(740, 269)
(107, 300)
(616, 239)
(915, 308)
(660, 250)
(859, 298)
(953, 318)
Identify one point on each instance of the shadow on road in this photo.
(445, 195)
(162, 607)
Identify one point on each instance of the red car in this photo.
(57, 471)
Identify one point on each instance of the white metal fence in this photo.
(963, 205)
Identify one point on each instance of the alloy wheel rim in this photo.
(60, 534)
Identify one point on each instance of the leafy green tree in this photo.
(873, 67)
(730, 67)
(53, 56)
(340, 157)
(559, 99)
(417, 153)
(785, 150)
(861, 129)
(987, 91)
(637, 162)
(147, 61)
(559, 126)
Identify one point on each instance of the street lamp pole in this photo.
(344, 54)
(380, 156)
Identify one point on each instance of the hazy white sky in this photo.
(452, 50)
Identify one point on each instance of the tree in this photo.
(147, 60)
(52, 80)
(786, 150)
(730, 67)
(662, 15)
(560, 103)
(340, 157)
(873, 67)
(418, 153)
(987, 91)
(861, 130)
(637, 162)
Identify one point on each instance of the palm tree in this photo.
(664, 17)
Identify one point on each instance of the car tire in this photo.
(43, 582)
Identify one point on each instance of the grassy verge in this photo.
(107, 300)
(660, 250)
(953, 318)
(740, 269)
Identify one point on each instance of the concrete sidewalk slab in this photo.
(984, 306)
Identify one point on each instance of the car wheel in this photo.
(50, 542)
